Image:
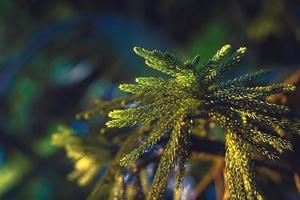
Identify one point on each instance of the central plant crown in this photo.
(168, 107)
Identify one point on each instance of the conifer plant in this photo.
(163, 111)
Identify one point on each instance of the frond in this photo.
(244, 79)
(239, 169)
(164, 62)
(168, 105)
(174, 149)
(215, 70)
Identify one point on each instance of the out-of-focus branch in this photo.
(297, 181)
(216, 149)
(226, 189)
(216, 168)
(219, 184)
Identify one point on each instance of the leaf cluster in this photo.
(168, 107)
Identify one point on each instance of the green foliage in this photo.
(86, 157)
(168, 104)
(13, 171)
(168, 107)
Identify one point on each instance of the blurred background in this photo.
(57, 56)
